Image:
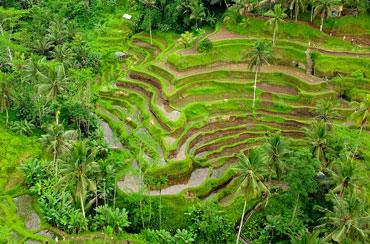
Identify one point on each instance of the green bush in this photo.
(205, 45)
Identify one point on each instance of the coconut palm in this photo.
(55, 82)
(57, 141)
(149, 4)
(306, 238)
(4, 99)
(259, 55)
(33, 68)
(162, 183)
(276, 17)
(298, 6)
(325, 110)
(77, 168)
(42, 45)
(251, 171)
(276, 148)
(317, 137)
(198, 13)
(345, 175)
(325, 7)
(245, 6)
(62, 53)
(362, 112)
(348, 219)
(312, 3)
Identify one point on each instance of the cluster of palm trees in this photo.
(343, 171)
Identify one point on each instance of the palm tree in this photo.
(55, 82)
(244, 6)
(317, 137)
(312, 3)
(298, 5)
(346, 175)
(33, 68)
(57, 141)
(149, 4)
(162, 183)
(251, 171)
(77, 167)
(362, 112)
(347, 220)
(4, 99)
(276, 148)
(62, 53)
(325, 7)
(42, 45)
(325, 110)
(259, 55)
(276, 17)
(306, 238)
(197, 13)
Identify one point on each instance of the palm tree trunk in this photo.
(150, 29)
(114, 195)
(295, 209)
(296, 12)
(273, 38)
(241, 222)
(160, 208)
(311, 13)
(82, 206)
(322, 20)
(255, 87)
(7, 116)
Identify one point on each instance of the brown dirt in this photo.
(278, 88)
(223, 34)
(266, 99)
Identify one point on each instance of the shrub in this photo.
(358, 75)
(205, 45)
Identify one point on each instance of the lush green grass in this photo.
(291, 31)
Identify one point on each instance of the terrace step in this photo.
(309, 61)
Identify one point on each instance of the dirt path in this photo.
(224, 34)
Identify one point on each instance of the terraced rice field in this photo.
(192, 112)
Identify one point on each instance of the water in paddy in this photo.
(26, 212)
(109, 137)
(132, 181)
(218, 172)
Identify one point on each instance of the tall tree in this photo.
(78, 168)
(325, 7)
(5, 86)
(348, 219)
(251, 171)
(259, 55)
(346, 174)
(325, 110)
(298, 6)
(301, 177)
(55, 82)
(198, 12)
(276, 149)
(276, 17)
(57, 141)
(317, 136)
(162, 183)
(149, 4)
(362, 112)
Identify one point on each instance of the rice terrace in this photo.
(185, 121)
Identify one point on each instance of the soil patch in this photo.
(224, 33)
(109, 137)
(269, 87)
